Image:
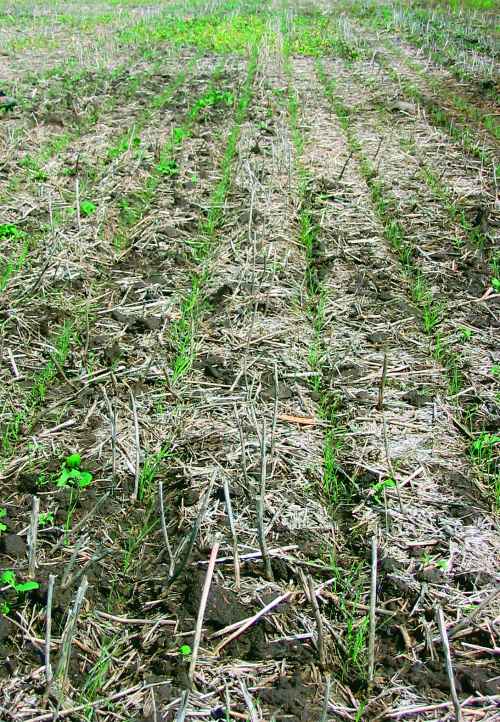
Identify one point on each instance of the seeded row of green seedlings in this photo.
(394, 231)
(339, 43)
(485, 119)
(140, 205)
(461, 106)
(151, 464)
(183, 332)
(482, 448)
(317, 37)
(133, 88)
(349, 584)
(463, 110)
(356, 334)
(26, 241)
(472, 233)
(62, 344)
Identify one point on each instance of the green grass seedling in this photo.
(3, 514)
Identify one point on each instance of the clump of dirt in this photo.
(223, 605)
(13, 545)
(137, 324)
(214, 367)
(291, 696)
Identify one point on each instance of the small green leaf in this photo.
(87, 208)
(4, 608)
(167, 167)
(64, 477)
(8, 577)
(84, 478)
(46, 518)
(73, 461)
(3, 527)
(185, 650)
(381, 485)
(26, 587)
(8, 230)
(3, 512)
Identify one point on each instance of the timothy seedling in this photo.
(482, 449)
(430, 316)
(3, 514)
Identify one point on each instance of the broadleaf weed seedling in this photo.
(10, 231)
(72, 475)
(46, 519)
(380, 486)
(9, 579)
(87, 208)
(167, 167)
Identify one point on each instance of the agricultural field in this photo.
(250, 370)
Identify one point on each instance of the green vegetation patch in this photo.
(316, 37)
(217, 34)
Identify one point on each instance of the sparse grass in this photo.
(485, 452)
(183, 331)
